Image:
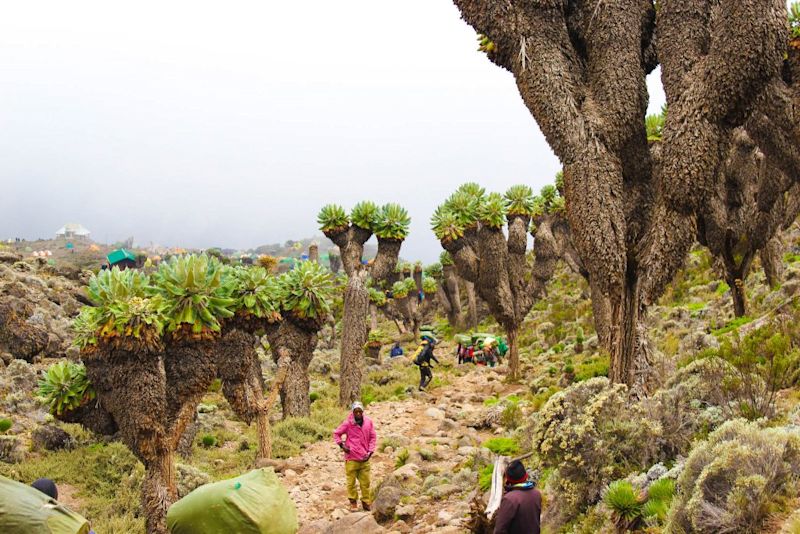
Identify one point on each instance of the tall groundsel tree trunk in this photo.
(390, 225)
(298, 340)
(354, 337)
(472, 305)
(581, 70)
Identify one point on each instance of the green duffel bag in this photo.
(253, 503)
(480, 336)
(462, 339)
(26, 510)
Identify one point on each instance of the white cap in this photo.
(357, 406)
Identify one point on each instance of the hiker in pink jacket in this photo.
(358, 446)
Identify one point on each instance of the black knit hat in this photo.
(515, 471)
(46, 486)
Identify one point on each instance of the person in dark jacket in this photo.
(521, 507)
(422, 358)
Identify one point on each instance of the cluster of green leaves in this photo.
(434, 270)
(125, 306)
(377, 297)
(470, 204)
(794, 19)
(333, 218)
(64, 387)
(365, 214)
(445, 258)
(306, 291)
(654, 124)
(428, 285)
(630, 508)
(193, 293)
(402, 288)
(390, 221)
(485, 44)
(254, 292)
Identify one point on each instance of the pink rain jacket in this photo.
(360, 439)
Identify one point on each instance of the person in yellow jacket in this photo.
(422, 358)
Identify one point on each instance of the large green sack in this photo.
(480, 336)
(462, 339)
(253, 503)
(26, 510)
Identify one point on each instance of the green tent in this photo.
(119, 255)
(26, 510)
(253, 503)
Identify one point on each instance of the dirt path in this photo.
(320, 489)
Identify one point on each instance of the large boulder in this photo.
(18, 334)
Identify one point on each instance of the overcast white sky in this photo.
(230, 123)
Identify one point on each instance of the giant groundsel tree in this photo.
(470, 225)
(390, 224)
(580, 68)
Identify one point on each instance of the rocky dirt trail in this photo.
(440, 429)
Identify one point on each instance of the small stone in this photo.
(434, 413)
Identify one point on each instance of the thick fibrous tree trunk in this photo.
(190, 367)
(298, 339)
(354, 337)
(335, 262)
(580, 68)
(132, 387)
(472, 305)
(453, 293)
(772, 261)
(746, 215)
(351, 241)
(240, 372)
(313, 253)
(373, 317)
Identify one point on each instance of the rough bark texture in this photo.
(313, 253)
(453, 293)
(354, 336)
(772, 261)
(299, 341)
(472, 305)
(580, 68)
(503, 276)
(132, 387)
(240, 371)
(190, 367)
(356, 301)
(745, 215)
(92, 416)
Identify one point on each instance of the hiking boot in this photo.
(365, 506)
(353, 505)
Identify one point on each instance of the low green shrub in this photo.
(485, 477)
(566, 433)
(624, 502)
(402, 458)
(736, 479)
(5, 425)
(502, 446)
(208, 441)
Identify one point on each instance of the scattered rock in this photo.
(386, 500)
(51, 438)
(434, 413)
(355, 523)
(188, 478)
(10, 450)
(442, 491)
